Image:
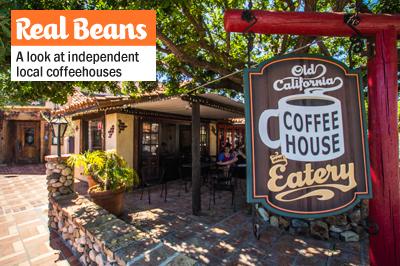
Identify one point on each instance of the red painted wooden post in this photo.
(383, 145)
(382, 82)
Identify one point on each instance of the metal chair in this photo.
(147, 181)
(221, 179)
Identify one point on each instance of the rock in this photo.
(364, 209)
(52, 181)
(334, 235)
(82, 259)
(358, 229)
(49, 172)
(50, 166)
(80, 248)
(53, 225)
(283, 222)
(61, 166)
(301, 231)
(70, 229)
(297, 223)
(110, 259)
(64, 190)
(274, 221)
(92, 255)
(66, 172)
(64, 236)
(99, 260)
(263, 213)
(355, 216)
(82, 240)
(70, 177)
(63, 179)
(56, 171)
(65, 229)
(60, 225)
(76, 233)
(340, 219)
(349, 236)
(96, 247)
(58, 184)
(68, 182)
(319, 230)
(336, 229)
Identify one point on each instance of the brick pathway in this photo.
(24, 235)
(224, 237)
(28, 169)
(219, 236)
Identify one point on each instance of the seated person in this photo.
(226, 158)
(241, 154)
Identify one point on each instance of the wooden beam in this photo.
(308, 23)
(196, 178)
(384, 154)
(213, 104)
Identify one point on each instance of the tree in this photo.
(192, 46)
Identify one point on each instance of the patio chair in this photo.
(148, 181)
(221, 179)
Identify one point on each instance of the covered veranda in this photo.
(156, 131)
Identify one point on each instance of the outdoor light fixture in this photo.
(59, 126)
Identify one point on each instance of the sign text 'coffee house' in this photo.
(306, 137)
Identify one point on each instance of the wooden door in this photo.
(150, 138)
(28, 142)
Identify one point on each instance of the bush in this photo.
(109, 170)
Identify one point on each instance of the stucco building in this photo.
(141, 129)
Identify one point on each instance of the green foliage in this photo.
(192, 46)
(116, 174)
(398, 114)
(90, 161)
(109, 170)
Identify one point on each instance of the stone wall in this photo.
(59, 176)
(95, 236)
(349, 226)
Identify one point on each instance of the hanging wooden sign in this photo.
(306, 137)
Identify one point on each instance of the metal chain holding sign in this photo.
(249, 17)
(356, 42)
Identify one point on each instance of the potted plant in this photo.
(91, 162)
(114, 178)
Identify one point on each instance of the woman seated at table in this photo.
(226, 157)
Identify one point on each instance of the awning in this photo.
(212, 106)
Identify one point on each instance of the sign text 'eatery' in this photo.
(83, 45)
(306, 137)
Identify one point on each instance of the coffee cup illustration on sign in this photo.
(310, 124)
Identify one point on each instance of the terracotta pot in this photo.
(91, 182)
(113, 202)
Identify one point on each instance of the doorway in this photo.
(27, 148)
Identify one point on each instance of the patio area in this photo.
(25, 238)
(222, 236)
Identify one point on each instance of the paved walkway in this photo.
(24, 235)
(221, 236)
(28, 169)
(218, 237)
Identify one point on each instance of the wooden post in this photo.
(383, 145)
(196, 180)
(308, 23)
(382, 83)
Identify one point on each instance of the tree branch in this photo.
(323, 48)
(190, 60)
